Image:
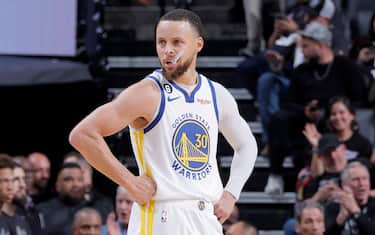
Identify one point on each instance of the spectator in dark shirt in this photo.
(93, 198)
(353, 210)
(6, 189)
(332, 154)
(58, 212)
(312, 85)
(15, 225)
(10, 223)
(22, 205)
(27, 167)
(87, 170)
(6, 179)
(41, 166)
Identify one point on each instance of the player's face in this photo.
(177, 45)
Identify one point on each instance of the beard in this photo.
(71, 199)
(20, 200)
(313, 59)
(41, 184)
(179, 71)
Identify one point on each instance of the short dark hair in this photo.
(84, 210)
(6, 162)
(72, 154)
(69, 165)
(184, 15)
(308, 204)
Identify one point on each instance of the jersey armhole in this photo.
(213, 93)
(160, 109)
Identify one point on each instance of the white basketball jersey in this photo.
(178, 147)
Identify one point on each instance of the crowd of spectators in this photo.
(73, 206)
(307, 86)
(67, 209)
(309, 80)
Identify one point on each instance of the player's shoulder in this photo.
(144, 89)
(221, 91)
(156, 77)
(216, 85)
(150, 82)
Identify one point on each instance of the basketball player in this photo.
(174, 115)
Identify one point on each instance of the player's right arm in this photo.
(135, 106)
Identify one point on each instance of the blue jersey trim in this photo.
(161, 107)
(213, 92)
(188, 98)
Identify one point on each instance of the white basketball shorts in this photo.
(184, 217)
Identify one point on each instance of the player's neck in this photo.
(190, 85)
(190, 77)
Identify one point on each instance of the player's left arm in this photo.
(238, 134)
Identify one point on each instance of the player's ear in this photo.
(200, 43)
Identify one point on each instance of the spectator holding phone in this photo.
(363, 52)
(283, 39)
(363, 49)
(312, 84)
(283, 55)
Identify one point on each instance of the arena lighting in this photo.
(38, 27)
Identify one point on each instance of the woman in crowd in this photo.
(341, 121)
